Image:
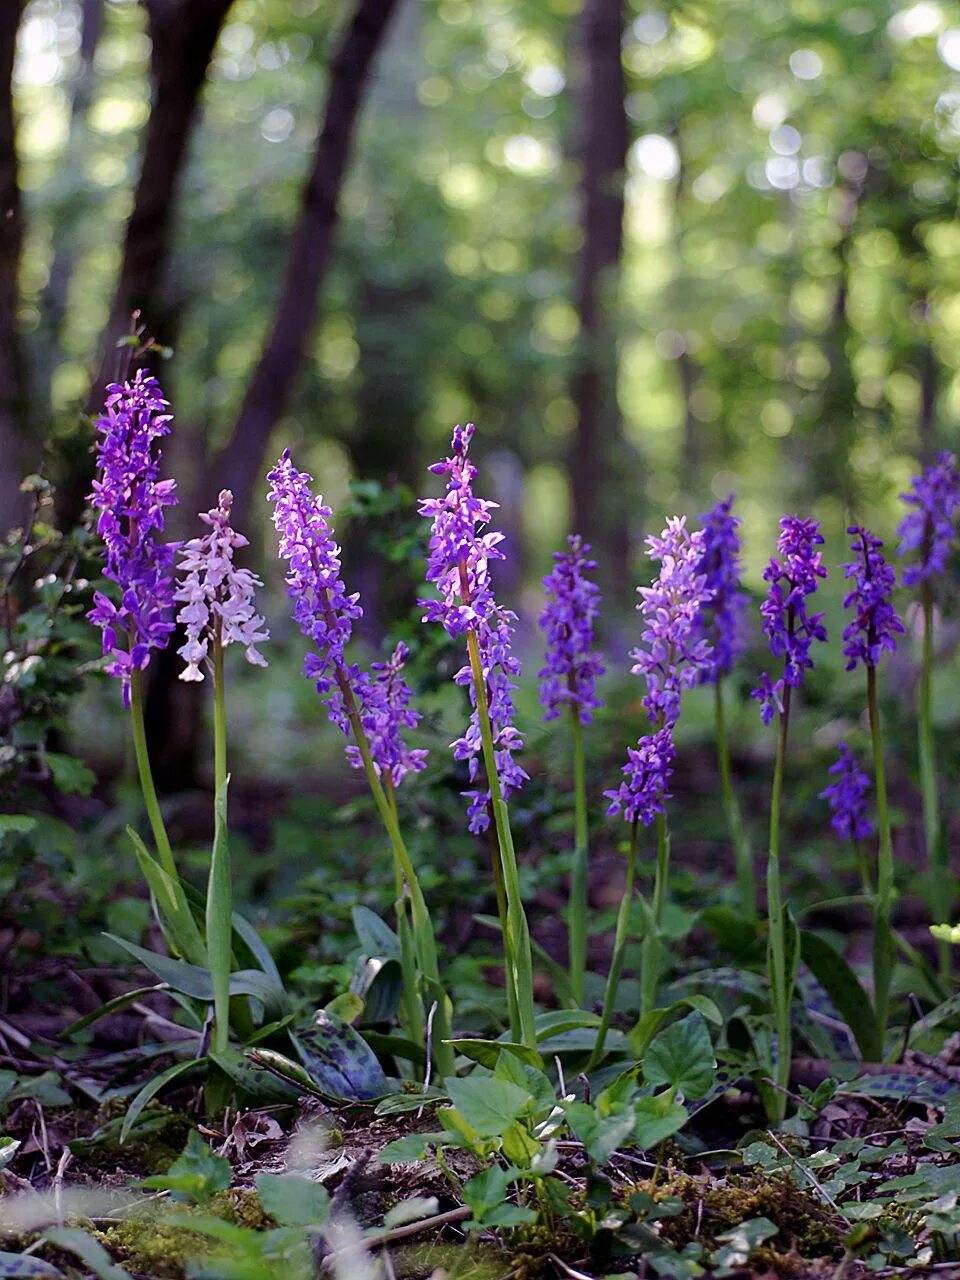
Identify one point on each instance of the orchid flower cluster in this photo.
(217, 600)
(724, 602)
(385, 711)
(692, 633)
(131, 498)
(930, 527)
(674, 654)
(793, 575)
(217, 597)
(847, 797)
(568, 680)
(379, 702)
(459, 567)
(572, 666)
(372, 706)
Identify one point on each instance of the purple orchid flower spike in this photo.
(673, 654)
(569, 674)
(323, 610)
(931, 526)
(721, 616)
(875, 623)
(847, 797)
(131, 498)
(928, 532)
(217, 597)
(325, 614)
(385, 712)
(646, 778)
(793, 574)
(459, 566)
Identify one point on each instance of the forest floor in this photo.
(863, 1180)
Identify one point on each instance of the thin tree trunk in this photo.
(311, 246)
(829, 450)
(688, 368)
(48, 353)
(594, 390)
(13, 379)
(183, 34)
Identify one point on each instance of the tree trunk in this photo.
(238, 466)
(183, 34)
(827, 451)
(594, 389)
(48, 352)
(13, 380)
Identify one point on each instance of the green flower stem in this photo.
(863, 866)
(152, 805)
(746, 880)
(652, 950)
(516, 931)
(496, 862)
(412, 1009)
(219, 715)
(937, 864)
(781, 982)
(663, 870)
(219, 913)
(578, 870)
(883, 945)
(619, 948)
(424, 940)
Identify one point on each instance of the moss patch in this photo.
(152, 1247)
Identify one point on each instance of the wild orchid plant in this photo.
(673, 655)
(927, 532)
(217, 610)
(873, 629)
(793, 574)
(459, 567)
(568, 682)
(138, 621)
(375, 710)
(721, 621)
(640, 798)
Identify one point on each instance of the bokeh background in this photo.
(779, 316)
(657, 253)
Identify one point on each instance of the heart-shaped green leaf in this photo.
(682, 1057)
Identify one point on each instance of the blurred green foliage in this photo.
(788, 314)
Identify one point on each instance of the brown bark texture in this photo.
(183, 34)
(238, 467)
(13, 374)
(48, 352)
(603, 148)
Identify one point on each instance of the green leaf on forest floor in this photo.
(195, 1175)
(845, 990)
(339, 1060)
(293, 1200)
(682, 1057)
